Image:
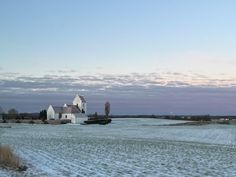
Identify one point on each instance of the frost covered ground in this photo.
(127, 147)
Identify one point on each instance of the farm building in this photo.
(75, 112)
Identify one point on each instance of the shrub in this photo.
(45, 122)
(18, 121)
(8, 158)
(43, 115)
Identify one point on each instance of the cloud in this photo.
(134, 93)
(95, 83)
(62, 71)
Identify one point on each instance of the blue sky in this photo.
(128, 45)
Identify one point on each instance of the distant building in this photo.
(75, 112)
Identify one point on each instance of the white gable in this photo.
(80, 102)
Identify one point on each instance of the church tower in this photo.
(81, 103)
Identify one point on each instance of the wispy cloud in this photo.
(62, 83)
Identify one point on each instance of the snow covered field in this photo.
(127, 147)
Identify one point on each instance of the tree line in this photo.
(14, 114)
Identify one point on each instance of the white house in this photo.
(75, 112)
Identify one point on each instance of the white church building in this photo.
(75, 112)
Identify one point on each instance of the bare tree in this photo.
(12, 113)
(1, 113)
(107, 109)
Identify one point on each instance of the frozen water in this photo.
(126, 147)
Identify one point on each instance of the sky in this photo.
(144, 56)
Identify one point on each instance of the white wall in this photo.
(78, 118)
(77, 101)
(56, 116)
(50, 113)
(75, 118)
(81, 105)
(67, 116)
